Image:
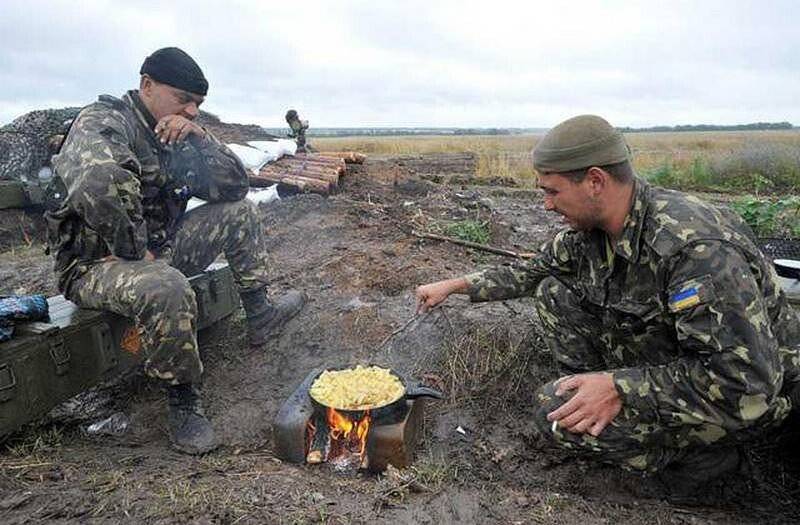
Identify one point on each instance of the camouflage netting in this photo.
(27, 143)
(227, 132)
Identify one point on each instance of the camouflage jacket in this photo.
(721, 343)
(127, 192)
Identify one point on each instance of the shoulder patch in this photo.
(690, 293)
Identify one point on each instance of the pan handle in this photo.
(415, 391)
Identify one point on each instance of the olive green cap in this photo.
(580, 142)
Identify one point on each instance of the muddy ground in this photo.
(356, 257)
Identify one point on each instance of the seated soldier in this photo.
(675, 340)
(124, 243)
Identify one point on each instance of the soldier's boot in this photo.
(694, 468)
(265, 319)
(794, 396)
(189, 430)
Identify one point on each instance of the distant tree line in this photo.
(393, 132)
(756, 126)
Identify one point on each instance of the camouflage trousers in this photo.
(581, 340)
(157, 296)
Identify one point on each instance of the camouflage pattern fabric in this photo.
(687, 315)
(126, 191)
(127, 195)
(157, 295)
(298, 132)
(584, 338)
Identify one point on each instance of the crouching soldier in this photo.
(123, 241)
(675, 339)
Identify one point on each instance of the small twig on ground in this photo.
(475, 245)
(414, 317)
(27, 465)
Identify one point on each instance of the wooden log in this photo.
(334, 164)
(320, 441)
(313, 157)
(282, 171)
(265, 178)
(350, 157)
(307, 167)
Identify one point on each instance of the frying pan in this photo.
(411, 390)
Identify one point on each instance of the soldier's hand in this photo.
(593, 405)
(175, 128)
(430, 295)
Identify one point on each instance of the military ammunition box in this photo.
(45, 364)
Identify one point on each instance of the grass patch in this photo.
(493, 367)
(470, 230)
(770, 217)
(35, 441)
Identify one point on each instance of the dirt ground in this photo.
(355, 256)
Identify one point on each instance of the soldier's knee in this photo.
(240, 210)
(171, 290)
(545, 401)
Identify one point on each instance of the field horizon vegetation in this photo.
(758, 170)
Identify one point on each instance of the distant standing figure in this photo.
(298, 132)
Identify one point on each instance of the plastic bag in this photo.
(15, 309)
(252, 159)
(114, 425)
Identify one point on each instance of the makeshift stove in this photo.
(305, 432)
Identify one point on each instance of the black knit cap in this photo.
(175, 67)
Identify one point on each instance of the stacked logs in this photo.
(309, 172)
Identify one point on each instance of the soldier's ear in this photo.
(597, 178)
(146, 84)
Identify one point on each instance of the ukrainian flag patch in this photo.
(689, 294)
(684, 299)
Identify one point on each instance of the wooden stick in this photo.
(475, 245)
(405, 325)
(350, 157)
(301, 183)
(326, 175)
(300, 164)
(314, 159)
(299, 169)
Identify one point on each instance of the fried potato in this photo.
(358, 388)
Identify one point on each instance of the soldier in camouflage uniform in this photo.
(124, 243)
(675, 338)
(298, 131)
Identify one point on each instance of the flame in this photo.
(353, 434)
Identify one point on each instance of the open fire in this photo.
(341, 440)
(347, 439)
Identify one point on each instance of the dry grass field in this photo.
(745, 162)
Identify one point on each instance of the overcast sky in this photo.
(427, 63)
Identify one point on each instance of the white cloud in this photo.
(352, 63)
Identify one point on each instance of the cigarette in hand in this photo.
(554, 427)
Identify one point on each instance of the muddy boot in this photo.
(189, 430)
(695, 468)
(265, 318)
